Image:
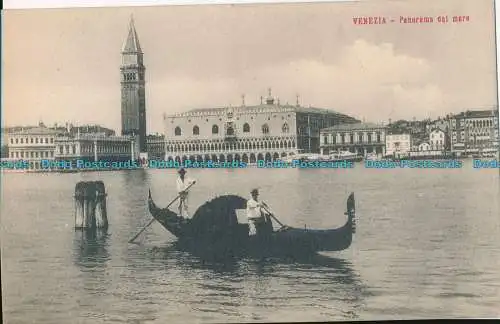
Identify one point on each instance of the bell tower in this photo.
(133, 88)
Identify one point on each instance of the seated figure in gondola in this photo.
(259, 221)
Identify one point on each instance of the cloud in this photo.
(369, 80)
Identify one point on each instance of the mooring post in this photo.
(101, 214)
(90, 205)
(79, 203)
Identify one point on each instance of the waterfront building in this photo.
(96, 147)
(5, 148)
(475, 131)
(33, 145)
(360, 138)
(442, 124)
(5, 151)
(133, 88)
(155, 146)
(398, 145)
(425, 151)
(267, 131)
(437, 139)
(424, 147)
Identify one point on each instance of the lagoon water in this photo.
(427, 246)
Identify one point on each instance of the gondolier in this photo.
(258, 219)
(182, 184)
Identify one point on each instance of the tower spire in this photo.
(132, 43)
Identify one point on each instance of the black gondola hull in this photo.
(221, 234)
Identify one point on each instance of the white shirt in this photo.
(253, 209)
(182, 185)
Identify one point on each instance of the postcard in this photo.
(257, 162)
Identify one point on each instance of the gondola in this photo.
(214, 229)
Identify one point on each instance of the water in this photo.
(427, 246)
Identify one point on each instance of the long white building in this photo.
(32, 145)
(267, 131)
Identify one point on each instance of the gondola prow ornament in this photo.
(152, 220)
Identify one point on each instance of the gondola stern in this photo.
(351, 211)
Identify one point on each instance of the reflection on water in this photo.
(91, 247)
(274, 284)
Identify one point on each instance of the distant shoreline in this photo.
(407, 163)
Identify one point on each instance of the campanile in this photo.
(133, 94)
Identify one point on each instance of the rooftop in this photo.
(477, 114)
(37, 131)
(268, 104)
(269, 107)
(357, 126)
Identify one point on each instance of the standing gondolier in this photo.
(258, 219)
(182, 184)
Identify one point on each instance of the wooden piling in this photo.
(90, 205)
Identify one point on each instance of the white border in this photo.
(31, 4)
(27, 4)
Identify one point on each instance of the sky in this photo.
(62, 65)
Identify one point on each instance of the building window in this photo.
(325, 139)
(230, 131)
(246, 128)
(178, 131)
(351, 138)
(369, 138)
(265, 129)
(378, 138)
(215, 129)
(285, 128)
(74, 149)
(31, 140)
(196, 130)
(46, 141)
(21, 141)
(17, 141)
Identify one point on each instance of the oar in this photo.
(272, 215)
(151, 221)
